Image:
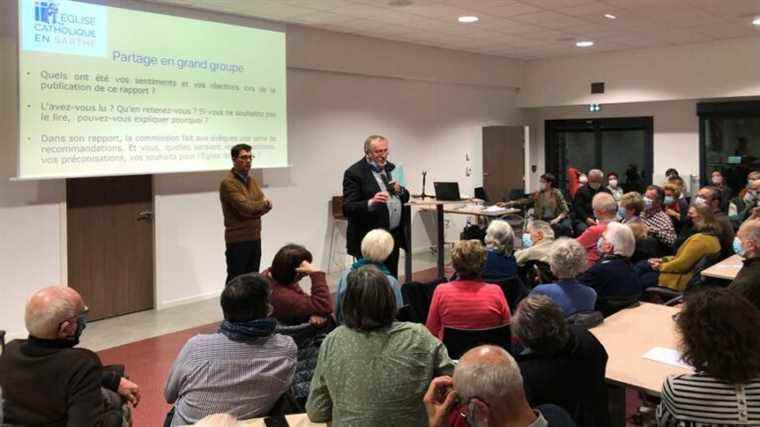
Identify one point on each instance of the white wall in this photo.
(720, 69)
(676, 131)
(430, 102)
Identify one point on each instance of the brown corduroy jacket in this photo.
(242, 206)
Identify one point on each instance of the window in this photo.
(729, 140)
(620, 145)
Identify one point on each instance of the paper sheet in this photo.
(667, 356)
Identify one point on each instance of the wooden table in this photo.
(726, 269)
(627, 336)
(295, 420)
(440, 206)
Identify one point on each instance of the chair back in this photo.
(514, 291)
(480, 193)
(704, 263)
(538, 272)
(611, 305)
(418, 296)
(404, 313)
(336, 207)
(458, 341)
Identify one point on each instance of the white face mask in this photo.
(583, 179)
(717, 180)
(613, 183)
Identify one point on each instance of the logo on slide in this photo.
(64, 26)
(45, 11)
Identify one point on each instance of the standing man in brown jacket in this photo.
(243, 204)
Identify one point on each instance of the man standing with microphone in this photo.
(372, 199)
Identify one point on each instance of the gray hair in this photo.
(567, 259)
(370, 139)
(751, 228)
(596, 173)
(540, 325)
(544, 227)
(621, 237)
(604, 202)
(377, 245)
(46, 309)
(500, 237)
(495, 383)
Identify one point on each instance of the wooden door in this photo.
(503, 160)
(110, 243)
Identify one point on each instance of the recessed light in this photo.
(756, 22)
(610, 16)
(468, 19)
(584, 43)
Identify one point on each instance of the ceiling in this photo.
(524, 29)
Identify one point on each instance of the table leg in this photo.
(439, 220)
(616, 397)
(407, 214)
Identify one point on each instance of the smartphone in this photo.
(276, 421)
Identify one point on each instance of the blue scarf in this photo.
(247, 331)
(361, 262)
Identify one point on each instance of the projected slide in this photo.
(108, 91)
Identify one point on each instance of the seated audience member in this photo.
(674, 206)
(537, 243)
(712, 197)
(676, 271)
(747, 243)
(291, 304)
(671, 173)
(613, 275)
(243, 369)
(605, 211)
(488, 386)
(658, 222)
(740, 208)
(217, 420)
(646, 246)
(46, 381)
(726, 193)
(561, 364)
(468, 302)
(613, 186)
(631, 207)
(568, 261)
(376, 246)
(583, 214)
(718, 336)
(500, 241)
(549, 205)
(373, 371)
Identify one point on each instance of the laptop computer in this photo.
(447, 191)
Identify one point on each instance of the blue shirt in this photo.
(498, 267)
(572, 296)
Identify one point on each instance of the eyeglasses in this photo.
(82, 314)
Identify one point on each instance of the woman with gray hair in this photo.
(500, 240)
(561, 364)
(568, 261)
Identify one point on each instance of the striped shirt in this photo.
(698, 400)
(466, 304)
(215, 374)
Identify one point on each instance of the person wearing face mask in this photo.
(710, 196)
(537, 243)
(673, 205)
(373, 199)
(583, 213)
(747, 245)
(740, 208)
(46, 381)
(718, 181)
(549, 205)
(658, 223)
(631, 206)
(605, 212)
(613, 275)
(613, 186)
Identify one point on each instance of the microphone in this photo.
(384, 176)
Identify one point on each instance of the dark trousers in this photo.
(243, 257)
(648, 277)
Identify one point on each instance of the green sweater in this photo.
(376, 378)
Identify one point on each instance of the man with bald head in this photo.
(605, 210)
(488, 386)
(46, 381)
(747, 244)
(583, 214)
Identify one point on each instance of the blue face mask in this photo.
(526, 240)
(647, 203)
(738, 248)
(621, 213)
(668, 200)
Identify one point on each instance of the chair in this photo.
(458, 341)
(480, 193)
(667, 296)
(418, 296)
(611, 305)
(404, 314)
(514, 291)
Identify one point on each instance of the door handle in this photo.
(145, 215)
(485, 173)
